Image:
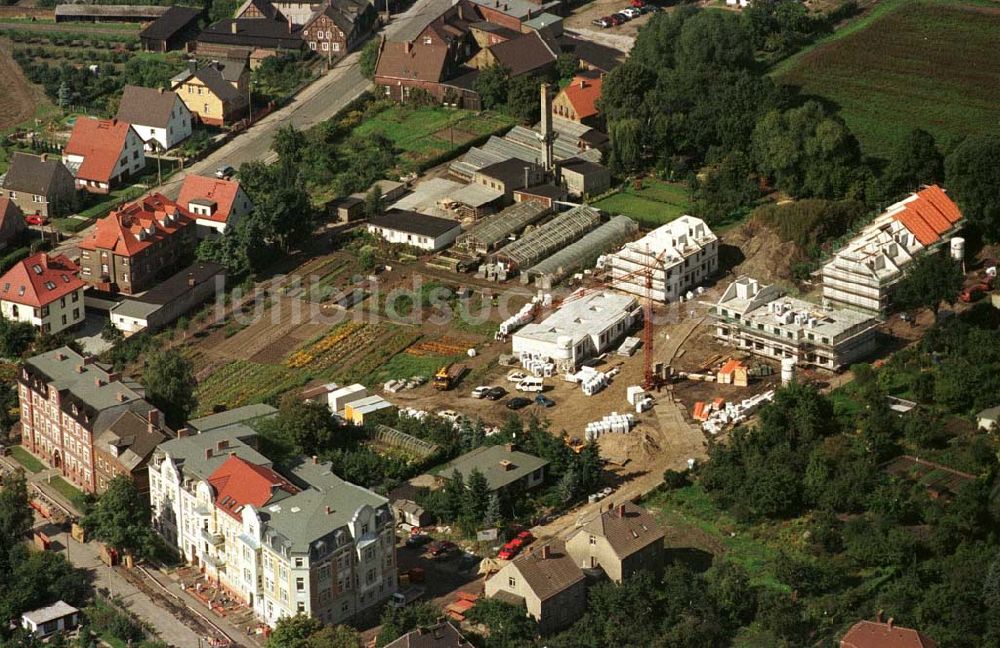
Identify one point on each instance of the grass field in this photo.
(908, 65)
(426, 133)
(70, 492)
(26, 459)
(656, 203)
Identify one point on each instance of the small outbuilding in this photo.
(58, 617)
(584, 178)
(418, 230)
(989, 419)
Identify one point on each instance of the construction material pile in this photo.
(614, 422)
(719, 417)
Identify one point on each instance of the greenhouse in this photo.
(492, 231)
(569, 259)
(546, 239)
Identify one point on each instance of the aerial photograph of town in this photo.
(499, 323)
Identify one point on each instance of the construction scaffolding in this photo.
(492, 232)
(609, 235)
(549, 237)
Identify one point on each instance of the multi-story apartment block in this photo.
(301, 542)
(132, 247)
(674, 258)
(863, 274)
(67, 402)
(763, 320)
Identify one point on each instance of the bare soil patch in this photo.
(20, 97)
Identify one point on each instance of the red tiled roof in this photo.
(221, 192)
(583, 93)
(929, 215)
(872, 634)
(100, 142)
(138, 225)
(39, 280)
(238, 482)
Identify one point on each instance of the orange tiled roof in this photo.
(138, 225)
(221, 192)
(929, 215)
(583, 93)
(39, 280)
(238, 482)
(873, 634)
(100, 142)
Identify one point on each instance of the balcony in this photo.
(214, 539)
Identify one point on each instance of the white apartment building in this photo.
(583, 327)
(863, 274)
(305, 542)
(674, 258)
(763, 320)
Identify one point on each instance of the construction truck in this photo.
(448, 376)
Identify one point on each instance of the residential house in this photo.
(676, 257)
(879, 634)
(338, 27)
(45, 291)
(172, 30)
(411, 228)
(125, 447)
(988, 419)
(215, 204)
(864, 273)
(546, 582)
(60, 617)
(505, 468)
(131, 248)
(440, 635)
(67, 401)
(258, 26)
(11, 222)
(101, 153)
(39, 184)
(762, 320)
(514, 13)
(578, 100)
(168, 300)
(299, 542)
(531, 53)
(159, 116)
(508, 176)
(218, 93)
(622, 541)
(410, 513)
(583, 178)
(487, 34)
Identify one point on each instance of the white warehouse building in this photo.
(583, 327)
(679, 256)
(411, 228)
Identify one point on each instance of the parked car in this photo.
(35, 219)
(518, 402)
(525, 537)
(441, 547)
(603, 23)
(638, 4)
(496, 393)
(616, 19)
(406, 596)
(510, 549)
(449, 415)
(417, 540)
(480, 392)
(544, 401)
(516, 376)
(225, 171)
(623, 17)
(631, 12)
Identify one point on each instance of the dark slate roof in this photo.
(146, 106)
(413, 223)
(253, 32)
(439, 635)
(581, 166)
(174, 287)
(525, 54)
(175, 20)
(214, 79)
(599, 56)
(545, 191)
(32, 174)
(509, 171)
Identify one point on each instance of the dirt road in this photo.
(20, 97)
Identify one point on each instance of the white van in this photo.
(531, 384)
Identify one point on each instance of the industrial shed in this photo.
(492, 232)
(546, 239)
(569, 259)
(107, 13)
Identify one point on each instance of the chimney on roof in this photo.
(546, 552)
(889, 623)
(183, 432)
(208, 453)
(223, 444)
(60, 356)
(79, 368)
(154, 419)
(122, 397)
(89, 360)
(192, 66)
(43, 260)
(289, 25)
(621, 511)
(45, 157)
(98, 382)
(114, 376)
(408, 46)
(583, 83)
(878, 616)
(315, 460)
(190, 280)
(232, 27)
(114, 121)
(509, 447)
(328, 509)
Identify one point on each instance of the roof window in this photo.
(37, 268)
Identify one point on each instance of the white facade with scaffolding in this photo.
(675, 257)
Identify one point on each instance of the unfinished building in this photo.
(549, 237)
(493, 231)
(585, 325)
(581, 253)
(863, 274)
(763, 320)
(668, 261)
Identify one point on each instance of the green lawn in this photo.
(26, 459)
(70, 492)
(655, 203)
(905, 65)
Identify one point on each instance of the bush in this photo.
(674, 479)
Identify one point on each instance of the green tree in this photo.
(294, 631)
(972, 174)
(727, 188)
(366, 257)
(111, 333)
(120, 519)
(169, 381)
(396, 622)
(913, 161)
(932, 278)
(493, 516)
(338, 636)
(308, 425)
(369, 57)
(454, 500)
(627, 139)
(62, 99)
(476, 500)
(15, 517)
(567, 66)
(15, 338)
(509, 626)
(522, 99)
(714, 39)
(492, 85)
(373, 201)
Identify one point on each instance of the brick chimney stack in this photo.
(546, 552)
(621, 511)
(889, 623)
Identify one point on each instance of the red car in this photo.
(525, 537)
(439, 547)
(35, 219)
(638, 4)
(510, 549)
